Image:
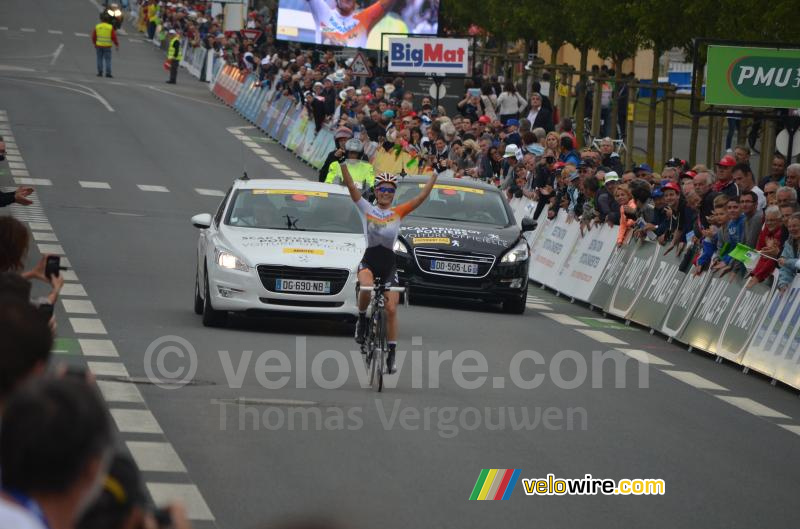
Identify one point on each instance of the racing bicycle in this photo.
(376, 343)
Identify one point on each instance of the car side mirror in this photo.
(528, 224)
(202, 221)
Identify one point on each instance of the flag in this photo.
(745, 255)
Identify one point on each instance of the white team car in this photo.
(279, 245)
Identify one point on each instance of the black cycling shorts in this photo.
(381, 262)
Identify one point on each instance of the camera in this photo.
(550, 159)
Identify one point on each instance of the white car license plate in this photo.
(301, 285)
(451, 266)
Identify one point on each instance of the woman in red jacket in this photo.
(769, 242)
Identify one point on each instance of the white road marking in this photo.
(695, 380)
(122, 31)
(14, 152)
(157, 189)
(3, 28)
(281, 166)
(65, 262)
(260, 151)
(751, 406)
(251, 144)
(181, 96)
(56, 54)
(54, 249)
(17, 165)
(188, 495)
(13, 157)
(78, 306)
(93, 347)
(68, 275)
(55, 31)
(300, 178)
(135, 41)
(795, 429)
(293, 173)
(135, 421)
(47, 236)
(107, 369)
(40, 226)
(537, 306)
(27, 30)
(94, 185)
(602, 337)
(644, 357)
(120, 391)
(269, 159)
(87, 326)
(210, 192)
(82, 35)
(155, 457)
(23, 177)
(565, 319)
(86, 90)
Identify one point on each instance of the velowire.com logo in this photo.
(495, 484)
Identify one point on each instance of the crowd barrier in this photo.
(283, 119)
(758, 327)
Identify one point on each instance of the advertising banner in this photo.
(753, 77)
(553, 248)
(603, 291)
(636, 273)
(712, 312)
(586, 262)
(743, 320)
(684, 303)
(659, 291)
(428, 56)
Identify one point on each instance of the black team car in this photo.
(463, 242)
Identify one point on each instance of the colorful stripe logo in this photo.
(495, 484)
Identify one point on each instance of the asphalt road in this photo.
(363, 458)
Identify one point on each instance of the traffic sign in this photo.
(251, 34)
(434, 88)
(359, 66)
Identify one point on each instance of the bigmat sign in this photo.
(428, 56)
(753, 77)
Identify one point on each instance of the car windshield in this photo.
(291, 209)
(454, 202)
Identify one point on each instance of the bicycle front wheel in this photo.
(381, 347)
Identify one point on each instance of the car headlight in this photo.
(228, 260)
(400, 247)
(518, 253)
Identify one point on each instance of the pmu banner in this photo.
(775, 347)
(659, 290)
(586, 262)
(743, 320)
(553, 249)
(712, 312)
(683, 304)
(753, 77)
(629, 286)
(601, 295)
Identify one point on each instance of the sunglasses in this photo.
(389, 190)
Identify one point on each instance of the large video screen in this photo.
(354, 23)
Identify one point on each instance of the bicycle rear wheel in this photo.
(379, 358)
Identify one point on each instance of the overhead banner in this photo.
(428, 56)
(753, 77)
(585, 264)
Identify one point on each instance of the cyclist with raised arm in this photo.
(383, 226)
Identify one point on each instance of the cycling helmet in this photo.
(386, 178)
(354, 145)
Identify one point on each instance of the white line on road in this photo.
(82, 35)
(695, 380)
(17, 165)
(40, 226)
(293, 173)
(3, 28)
(155, 189)
(91, 92)
(210, 192)
(78, 306)
(94, 347)
(107, 369)
(751, 406)
(94, 185)
(537, 306)
(52, 249)
(602, 337)
(644, 357)
(269, 159)
(135, 421)
(196, 100)
(69, 275)
(188, 495)
(27, 30)
(565, 319)
(251, 144)
(155, 457)
(55, 31)
(281, 166)
(12, 157)
(120, 391)
(56, 54)
(46, 236)
(87, 326)
(795, 429)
